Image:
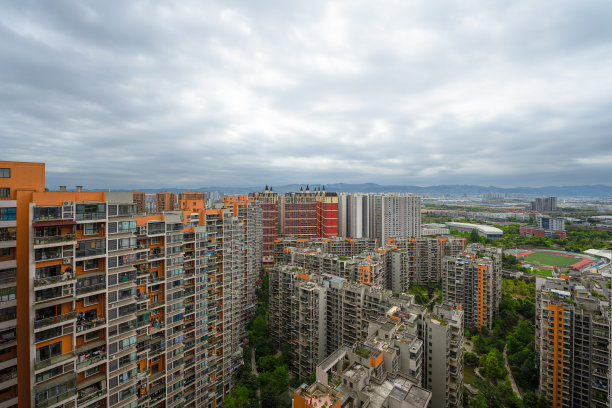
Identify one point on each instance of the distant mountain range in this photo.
(456, 190)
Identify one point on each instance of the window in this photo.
(91, 229)
(5, 192)
(4, 252)
(92, 336)
(46, 352)
(91, 264)
(7, 294)
(90, 300)
(45, 375)
(8, 214)
(126, 343)
(91, 371)
(5, 173)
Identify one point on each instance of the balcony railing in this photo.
(83, 253)
(52, 239)
(91, 396)
(53, 279)
(91, 288)
(53, 320)
(56, 399)
(86, 325)
(90, 216)
(53, 360)
(91, 360)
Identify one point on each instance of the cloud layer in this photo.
(187, 94)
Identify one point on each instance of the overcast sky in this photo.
(182, 94)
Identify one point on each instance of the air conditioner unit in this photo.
(67, 261)
(67, 202)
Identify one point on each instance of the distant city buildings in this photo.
(434, 229)
(544, 204)
(547, 227)
(485, 231)
(381, 216)
(165, 201)
(302, 215)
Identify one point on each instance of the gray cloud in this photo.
(189, 94)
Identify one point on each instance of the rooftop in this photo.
(487, 229)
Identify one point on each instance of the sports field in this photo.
(544, 258)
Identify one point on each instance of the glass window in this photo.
(8, 214)
(91, 229)
(5, 192)
(5, 173)
(91, 264)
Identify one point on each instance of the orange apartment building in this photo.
(473, 280)
(303, 215)
(164, 201)
(139, 198)
(191, 201)
(116, 309)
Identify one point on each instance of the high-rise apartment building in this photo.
(443, 373)
(544, 204)
(302, 215)
(395, 266)
(380, 216)
(140, 199)
(191, 201)
(118, 309)
(165, 201)
(320, 315)
(473, 280)
(18, 181)
(572, 342)
(268, 201)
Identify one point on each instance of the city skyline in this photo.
(243, 94)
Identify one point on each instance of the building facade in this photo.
(572, 343)
(119, 309)
(474, 281)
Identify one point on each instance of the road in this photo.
(514, 387)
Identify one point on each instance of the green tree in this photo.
(478, 401)
(238, 398)
(474, 237)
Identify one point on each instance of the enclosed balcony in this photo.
(47, 213)
(89, 212)
(91, 247)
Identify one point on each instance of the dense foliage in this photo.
(272, 380)
(515, 329)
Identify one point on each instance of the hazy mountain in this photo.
(448, 190)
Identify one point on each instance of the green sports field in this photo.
(544, 258)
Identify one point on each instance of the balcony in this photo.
(84, 325)
(53, 239)
(47, 213)
(47, 254)
(56, 399)
(89, 395)
(91, 288)
(91, 357)
(53, 279)
(53, 360)
(90, 216)
(54, 320)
